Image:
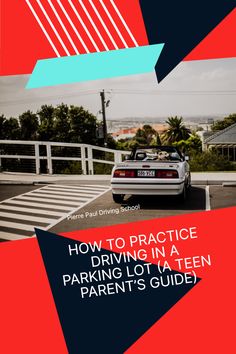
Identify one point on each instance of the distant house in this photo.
(224, 141)
(125, 136)
(127, 133)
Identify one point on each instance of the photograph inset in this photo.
(117, 143)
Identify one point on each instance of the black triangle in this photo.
(181, 25)
(105, 324)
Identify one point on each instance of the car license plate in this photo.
(146, 173)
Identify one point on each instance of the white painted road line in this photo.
(58, 197)
(47, 200)
(82, 187)
(69, 194)
(10, 236)
(31, 207)
(99, 186)
(39, 205)
(71, 191)
(208, 202)
(28, 210)
(29, 218)
(14, 225)
(79, 207)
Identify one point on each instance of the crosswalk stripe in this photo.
(46, 200)
(83, 188)
(39, 205)
(9, 236)
(99, 186)
(73, 194)
(29, 218)
(78, 208)
(46, 196)
(69, 191)
(28, 210)
(20, 226)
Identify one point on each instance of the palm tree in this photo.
(176, 130)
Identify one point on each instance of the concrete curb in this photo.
(198, 178)
(213, 183)
(30, 183)
(229, 184)
(26, 183)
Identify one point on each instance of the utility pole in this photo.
(102, 94)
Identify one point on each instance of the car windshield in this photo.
(157, 154)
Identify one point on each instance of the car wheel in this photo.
(189, 181)
(118, 198)
(183, 196)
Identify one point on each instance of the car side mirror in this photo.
(127, 157)
(186, 158)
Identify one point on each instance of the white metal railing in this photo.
(84, 153)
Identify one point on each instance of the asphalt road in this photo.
(90, 205)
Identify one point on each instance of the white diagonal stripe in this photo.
(10, 236)
(82, 187)
(72, 191)
(83, 25)
(63, 26)
(20, 226)
(208, 201)
(39, 205)
(51, 193)
(97, 186)
(73, 26)
(124, 23)
(103, 24)
(78, 208)
(75, 192)
(45, 200)
(32, 211)
(93, 24)
(42, 28)
(56, 198)
(114, 24)
(26, 218)
(20, 216)
(53, 27)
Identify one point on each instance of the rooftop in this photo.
(225, 136)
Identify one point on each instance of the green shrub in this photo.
(210, 161)
(67, 167)
(102, 168)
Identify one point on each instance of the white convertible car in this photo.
(160, 170)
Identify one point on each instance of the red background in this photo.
(200, 322)
(23, 42)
